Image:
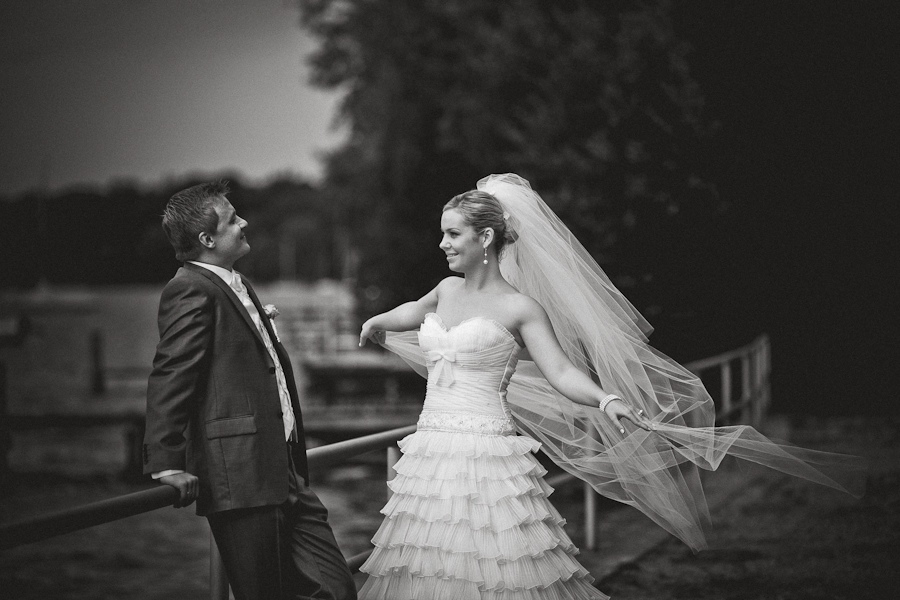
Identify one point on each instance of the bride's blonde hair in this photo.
(482, 210)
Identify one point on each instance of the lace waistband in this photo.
(465, 422)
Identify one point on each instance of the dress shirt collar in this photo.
(226, 275)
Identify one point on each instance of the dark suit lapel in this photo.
(229, 293)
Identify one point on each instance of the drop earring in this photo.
(485, 255)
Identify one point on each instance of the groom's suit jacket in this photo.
(213, 407)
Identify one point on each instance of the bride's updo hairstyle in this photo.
(482, 210)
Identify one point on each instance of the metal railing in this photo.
(753, 362)
(105, 511)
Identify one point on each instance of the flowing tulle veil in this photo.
(605, 336)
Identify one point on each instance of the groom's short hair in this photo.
(191, 212)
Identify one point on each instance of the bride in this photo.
(534, 348)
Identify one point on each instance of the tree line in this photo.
(114, 235)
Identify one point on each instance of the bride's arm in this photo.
(537, 333)
(405, 317)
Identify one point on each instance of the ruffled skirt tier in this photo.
(469, 518)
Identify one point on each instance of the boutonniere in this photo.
(271, 313)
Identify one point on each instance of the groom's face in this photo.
(231, 243)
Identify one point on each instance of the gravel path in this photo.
(160, 555)
(789, 540)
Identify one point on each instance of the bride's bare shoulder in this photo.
(525, 308)
(449, 284)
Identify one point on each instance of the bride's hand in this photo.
(368, 332)
(618, 410)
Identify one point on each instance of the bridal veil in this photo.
(606, 337)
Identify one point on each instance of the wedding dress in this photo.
(469, 516)
(604, 336)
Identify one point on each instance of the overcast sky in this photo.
(102, 90)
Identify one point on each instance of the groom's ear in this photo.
(206, 240)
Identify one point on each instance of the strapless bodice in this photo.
(469, 367)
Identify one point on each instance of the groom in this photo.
(223, 422)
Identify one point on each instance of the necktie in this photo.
(237, 284)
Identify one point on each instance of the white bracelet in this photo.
(606, 400)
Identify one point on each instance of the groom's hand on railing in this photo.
(188, 487)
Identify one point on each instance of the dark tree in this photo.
(593, 102)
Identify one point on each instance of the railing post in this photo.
(590, 517)
(5, 434)
(754, 386)
(726, 388)
(767, 374)
(98, 376)
(758, 384)
(134, 444)
(745, 387)
(393, 455)
(218, 579)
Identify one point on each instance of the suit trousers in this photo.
(283, 552)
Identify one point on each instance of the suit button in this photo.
(272, 370)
